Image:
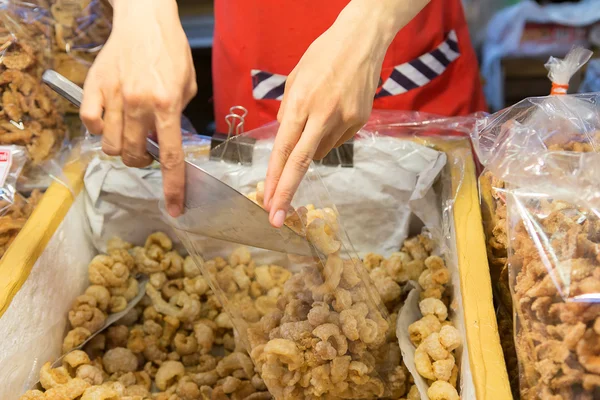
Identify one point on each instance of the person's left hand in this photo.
(328, 98)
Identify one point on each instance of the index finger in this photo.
(294, 170)
(92, 106)
(172, 161)
(287, 137)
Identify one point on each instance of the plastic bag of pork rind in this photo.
(15, 207)
(286, 333)
(80, 29)
(292, 308)
(29, 116)
(542, 157)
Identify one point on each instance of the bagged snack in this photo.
(29, 116)
(80, 25)
(15, 208)
(80, 29)
(541, 157)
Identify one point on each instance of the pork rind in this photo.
(177, 343)
(198, 355)
(316, 328)
(542, 156)
(29, 116)
(113, 285)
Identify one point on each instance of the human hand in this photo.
(328, 98)
(140, 82)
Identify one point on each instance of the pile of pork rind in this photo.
(316, 333)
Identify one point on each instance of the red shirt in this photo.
(430, 66)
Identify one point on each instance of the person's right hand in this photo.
(140, 82)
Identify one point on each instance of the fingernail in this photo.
(278, 218)
(173, 210)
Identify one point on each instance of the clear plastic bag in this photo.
(29, 116)
(379, 224)
(15, 207)
(542, 157)
(313, 326)
(80, 29)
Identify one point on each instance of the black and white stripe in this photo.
(267, 86)
(421, 70)
(405, 77)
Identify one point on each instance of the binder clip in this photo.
(233, 147)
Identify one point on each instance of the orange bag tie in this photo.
(558, 89)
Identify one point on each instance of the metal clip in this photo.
(233, 147)
(342, 156)
(241, 112)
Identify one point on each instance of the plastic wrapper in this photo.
(29, 116)
(542, 192)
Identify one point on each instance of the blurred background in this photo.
(513, 39)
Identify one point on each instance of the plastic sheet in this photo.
(541, 156)
(27, 346)
(12, 160)
(323, 328)
(439, 221)
(375, 142)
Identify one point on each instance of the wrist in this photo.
(129, 8)
(385, 18)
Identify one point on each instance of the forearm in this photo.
(162, 13)
(385, 17)
(121, 6)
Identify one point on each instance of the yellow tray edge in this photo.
(30, 243)
(485, 351)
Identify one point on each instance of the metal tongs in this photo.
(211, 207)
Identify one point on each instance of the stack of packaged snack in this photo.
(29, 115)
(32, 129)
(542, 208)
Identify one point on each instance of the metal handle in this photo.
(63, 86)
(74, 94)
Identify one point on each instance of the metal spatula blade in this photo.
(211, 207)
